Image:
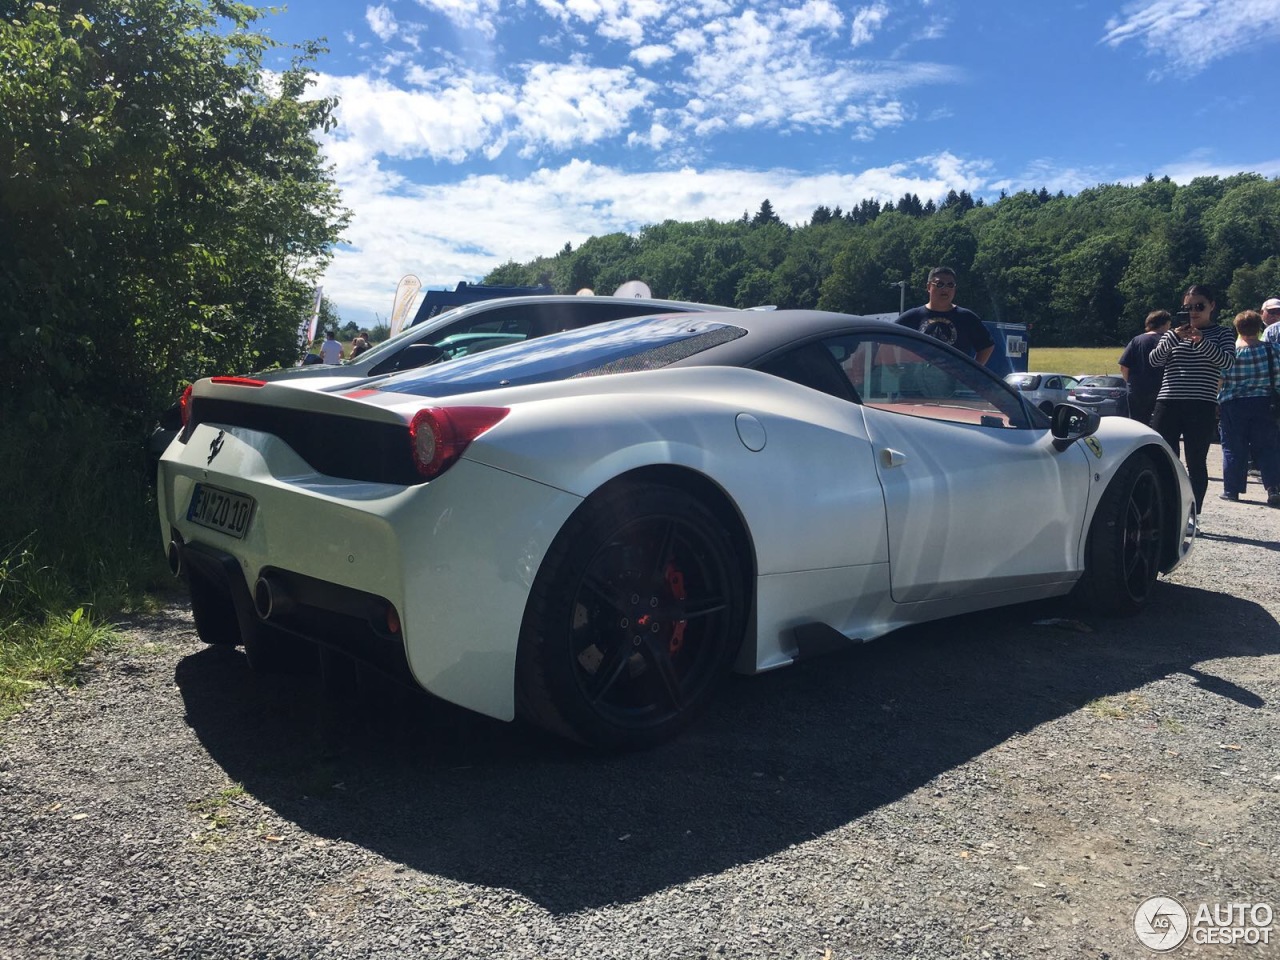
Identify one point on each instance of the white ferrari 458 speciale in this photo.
(590, 529)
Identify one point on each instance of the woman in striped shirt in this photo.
(1194, 355)
(1245, 400)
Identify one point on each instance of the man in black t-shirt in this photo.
(1143, 379)
(942, 319)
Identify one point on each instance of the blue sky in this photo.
(473, 132)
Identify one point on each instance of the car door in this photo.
(977, 499)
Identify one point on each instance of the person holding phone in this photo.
(1195, 356)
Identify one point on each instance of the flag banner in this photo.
(406, 294)
(307, 327)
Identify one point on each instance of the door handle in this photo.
(892, 458)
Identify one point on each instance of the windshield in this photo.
(620, 346)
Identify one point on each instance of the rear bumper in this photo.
(454, 558)
(351, 622)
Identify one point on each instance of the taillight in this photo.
(184, 404)
(439, 435)
(239, 381)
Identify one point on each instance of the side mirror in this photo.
(1071, 423)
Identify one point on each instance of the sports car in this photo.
(590, 529)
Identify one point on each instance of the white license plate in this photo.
(220, 510)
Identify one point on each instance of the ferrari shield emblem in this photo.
(1093, 444)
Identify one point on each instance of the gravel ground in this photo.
(982, 787)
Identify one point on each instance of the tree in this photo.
(821, 214)
(765, 215)
(166, 210)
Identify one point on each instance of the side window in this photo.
(1053, 383)
(813, 365)
(493, 328)
(921, 380)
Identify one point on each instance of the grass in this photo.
(79, 544)
(1075, 360)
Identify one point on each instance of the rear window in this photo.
(620, 346)
(1115, 382)
(1023, 381)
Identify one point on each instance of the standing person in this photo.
(1194, 356)
(1245, 402)
(1144, 379)
(1271, 317)
(942, 319)
(331, 349)
(359, 345)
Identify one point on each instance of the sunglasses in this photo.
(1197, 307)
(944, 284)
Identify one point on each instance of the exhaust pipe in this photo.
(174, 556)
(270, 598)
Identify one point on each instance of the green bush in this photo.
(79, 543)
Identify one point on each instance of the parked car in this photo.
(459, 332)
(1107, 396)
(590, 529)
(1045, 390)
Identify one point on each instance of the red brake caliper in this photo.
(675, 583)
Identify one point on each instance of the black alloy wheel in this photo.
(1126, 539)
(637, 615)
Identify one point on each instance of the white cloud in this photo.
(813, 15)
(1191, 34)
(657, 137)
(624, 20)
(653, 53)
(566, 104)
(477, 15)
(758, 67)
(865, 23)
(450, 120)
(461, 230)
(381, 21)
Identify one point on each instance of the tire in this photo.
(214, 613)
(634, 619)
(1047, 407)
(1126, 540)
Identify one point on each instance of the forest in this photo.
(1082, 270)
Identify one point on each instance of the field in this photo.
(1074, 360)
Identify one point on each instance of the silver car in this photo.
(1107, 396)
(1044, 390)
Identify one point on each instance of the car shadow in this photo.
(776, 760)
